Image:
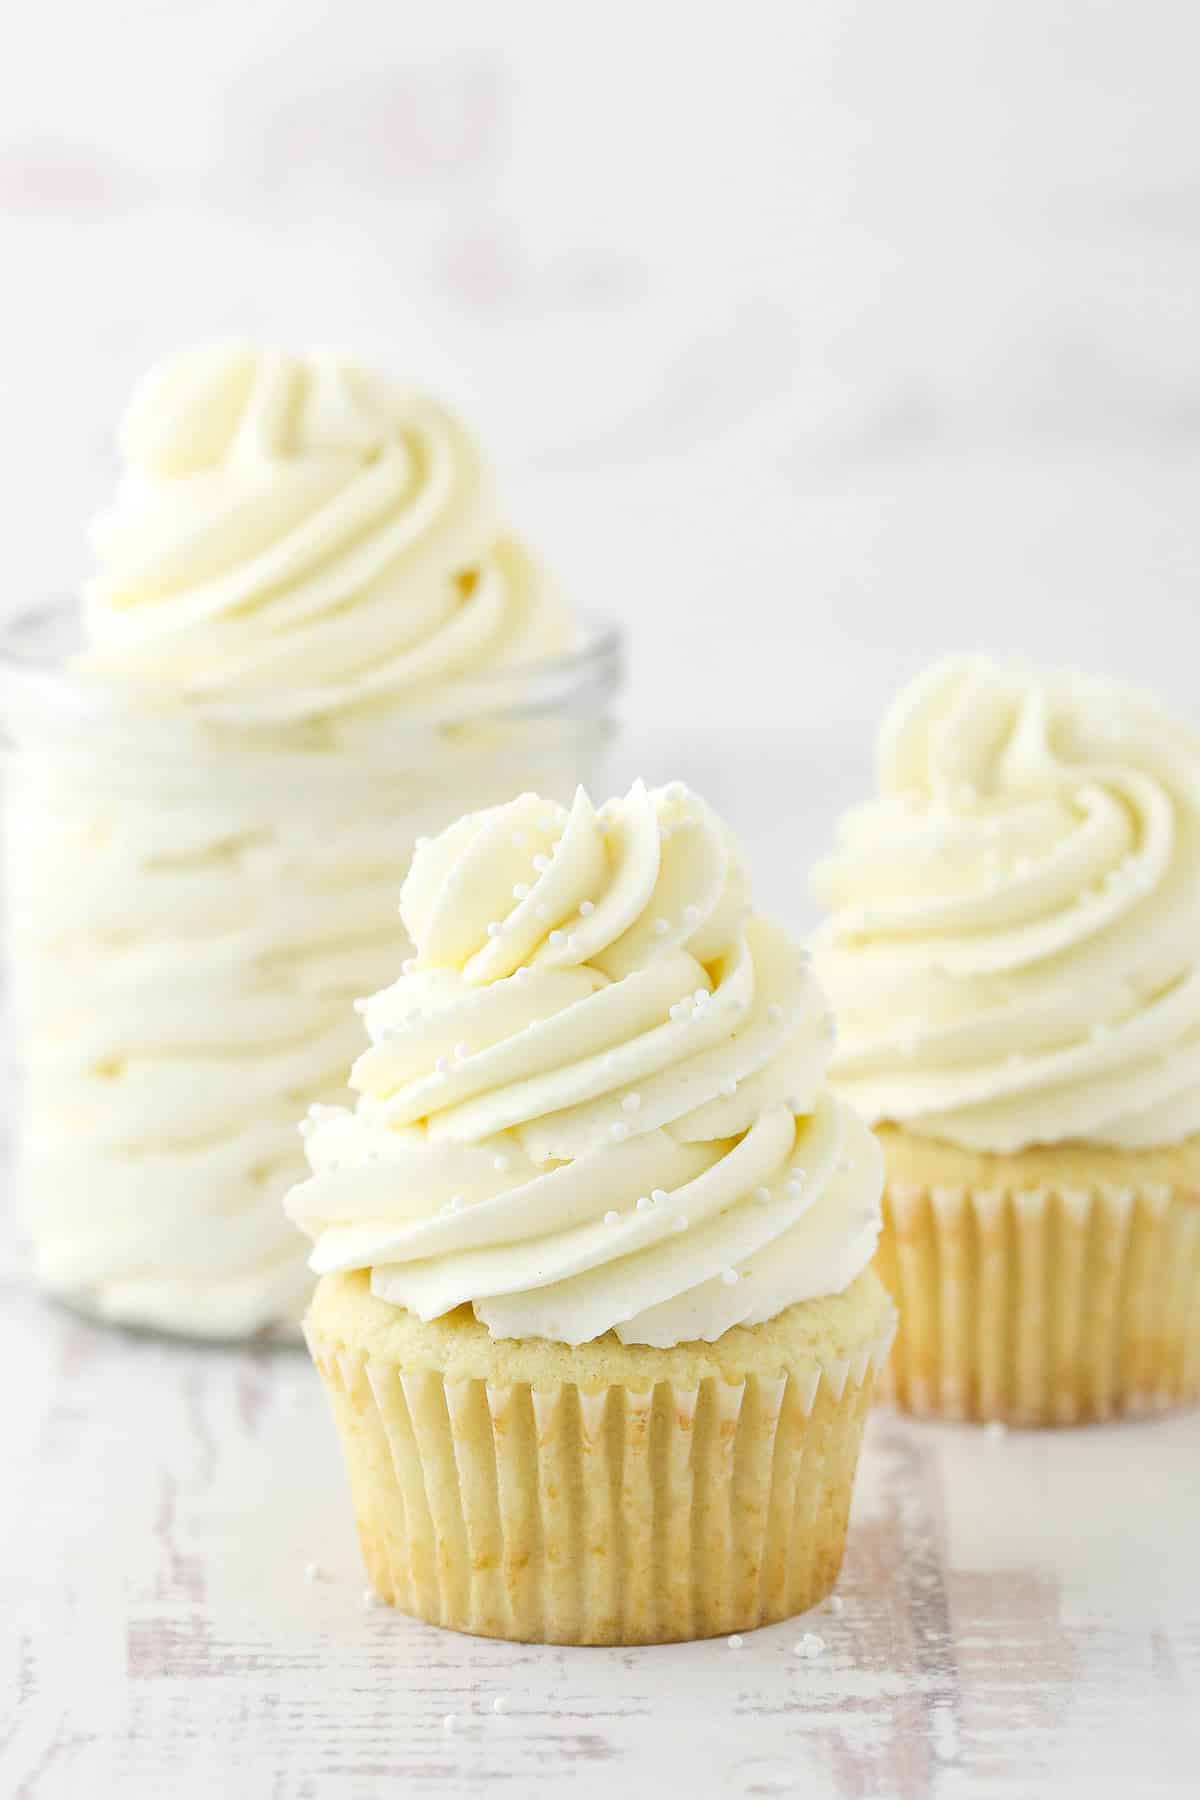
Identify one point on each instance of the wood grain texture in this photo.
(1020, 1615)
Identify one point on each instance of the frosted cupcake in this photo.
(1014, 956)
(594, 1314)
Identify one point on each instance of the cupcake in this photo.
(1013, 952)
(595, 1313)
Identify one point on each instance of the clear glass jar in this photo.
(194, 901)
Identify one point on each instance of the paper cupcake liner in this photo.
(1042, 1307)
(557, 1515)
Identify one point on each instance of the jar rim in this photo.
(34, 676)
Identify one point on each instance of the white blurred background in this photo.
(815, 339)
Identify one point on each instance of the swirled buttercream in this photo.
(310, 638)
(1014, 941)
(595, 1099)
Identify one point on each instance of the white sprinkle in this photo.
(500, 1703)
(461, 1052)
(456, 1203)
(370, 1600)
(313, 1572)
(702, 996)
(448, 1722)
(520, 840)
(681, 1223)
(810, 1645)
(631, 1102)
(658, 1195)
(541, 864)
(586, 908)
(681, 1010)
(691, 915)
(995, 1429)
(644, 1203)
(762, 1195)
(522, 974)
(408, 966)
(661, 927)
(729, 1277)
(618, 1130)
(610, 1218)
(736, 1641)
(500, 1164)
(441, 1065)
(836, 1603)
(775, 1012)
(495, 928)
(729, 1087)
(521, 891)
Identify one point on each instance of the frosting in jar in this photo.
(595, 1099)
(1013, 946)
(308, 642)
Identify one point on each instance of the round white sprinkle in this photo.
(836, 1603)
(681, 1223)
(661, 927)
(729, 1087)
(448, 1722)
(810, 1645)
(461, 1051)
(456, 1203)
(762, 1195)
(618, 1129)
(495, 928)
(644, 1203)
(313, 1572)
(408, 966)
(441, 1065)
(586, 908)
(736, 1641)
(370, 1600)
(610, 1218)
(729, 1277)
(500, 1703)
(680, 1011)
(774, 1012)
(702, 996)
(658, 1195)
(521, 891)
(557, 938)
(631, 1102)
(541, 864)
(500, 1164)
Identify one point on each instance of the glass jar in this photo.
(194, 901)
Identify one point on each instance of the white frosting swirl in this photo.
(1014, 947)
(595, 1100)
(299, 528)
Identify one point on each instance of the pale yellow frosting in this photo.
(596, 1099)
(1013, 950)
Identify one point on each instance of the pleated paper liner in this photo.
(547, 1513)
(1043, 1306)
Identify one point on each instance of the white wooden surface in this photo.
(1020, 1616)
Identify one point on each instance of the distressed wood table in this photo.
(182, 1613)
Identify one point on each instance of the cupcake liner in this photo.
(550, 1513)
(1042, 1306)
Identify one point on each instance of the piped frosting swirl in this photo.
(595, 1100)
(1014, 941)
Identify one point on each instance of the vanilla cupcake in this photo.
(595, 1314)
(1013, 953)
